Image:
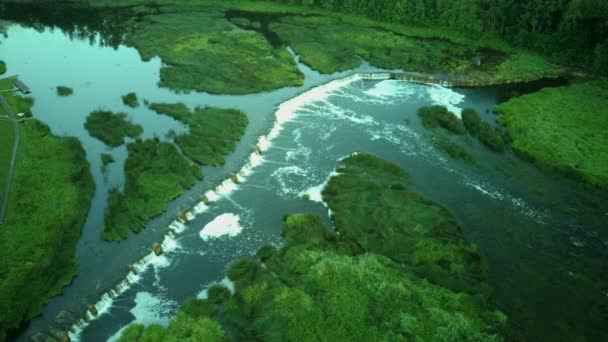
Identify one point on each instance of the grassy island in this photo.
(39, 234)
(213, 133)
(111, 128)
(155, 174)
(106, 159)
(204, 51)
(439, 116)
(321, 286)
(64, 91)
(562, 129)
(130, 100)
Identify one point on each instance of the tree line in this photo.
(571, 31)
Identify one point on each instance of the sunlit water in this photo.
(544, 237)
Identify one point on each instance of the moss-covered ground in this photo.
(204, 51)
(111, 128)
(155, 173)
(213, 132)
(321, 286)
(49, 200)
(563, 129)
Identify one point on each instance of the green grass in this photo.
(130, 100)
(439, 116)
(7, 135)
(155, 174)
(205, 52)
(471, 120)
(372, 206)
(454, 150)
(106, 159)
(213, 132)
(321, 286)
(40, 232)
(562, 129)
(64, 91)
(111, 128)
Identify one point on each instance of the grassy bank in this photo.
(562, 129)
(306, 290)
(155, 173)
(49, 201)
(111, 128)
(213, 132)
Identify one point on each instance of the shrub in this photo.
(435, 116)
(491, 137)
(64, 91)
(130, 100)
(471, 120)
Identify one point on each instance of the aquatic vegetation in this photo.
(328, 44)
(106, 159)
(454, 150)
(2, 68)
(204, 51)
(64, 91)
(182, 327)
(155, 174)
(435, 116)
(111, 128)
(213, 132)
(471, 120)
(491, 137)
(323, 286)
(39, 234)
(368, 208)
(562, 129)
(130, 100)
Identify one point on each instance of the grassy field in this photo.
(7, 134)
(39, 235)
(304, 290)
(562, 129)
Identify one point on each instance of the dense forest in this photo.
(571, 31)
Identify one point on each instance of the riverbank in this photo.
(48, 203)
(562, 129)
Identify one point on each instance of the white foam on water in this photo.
(203, 294)
(225, 224)
(314, 192)
(446, 97)
(148, 310)
(289, 179)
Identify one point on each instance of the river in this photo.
(544, 237)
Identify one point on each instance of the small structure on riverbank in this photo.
(22, 87)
